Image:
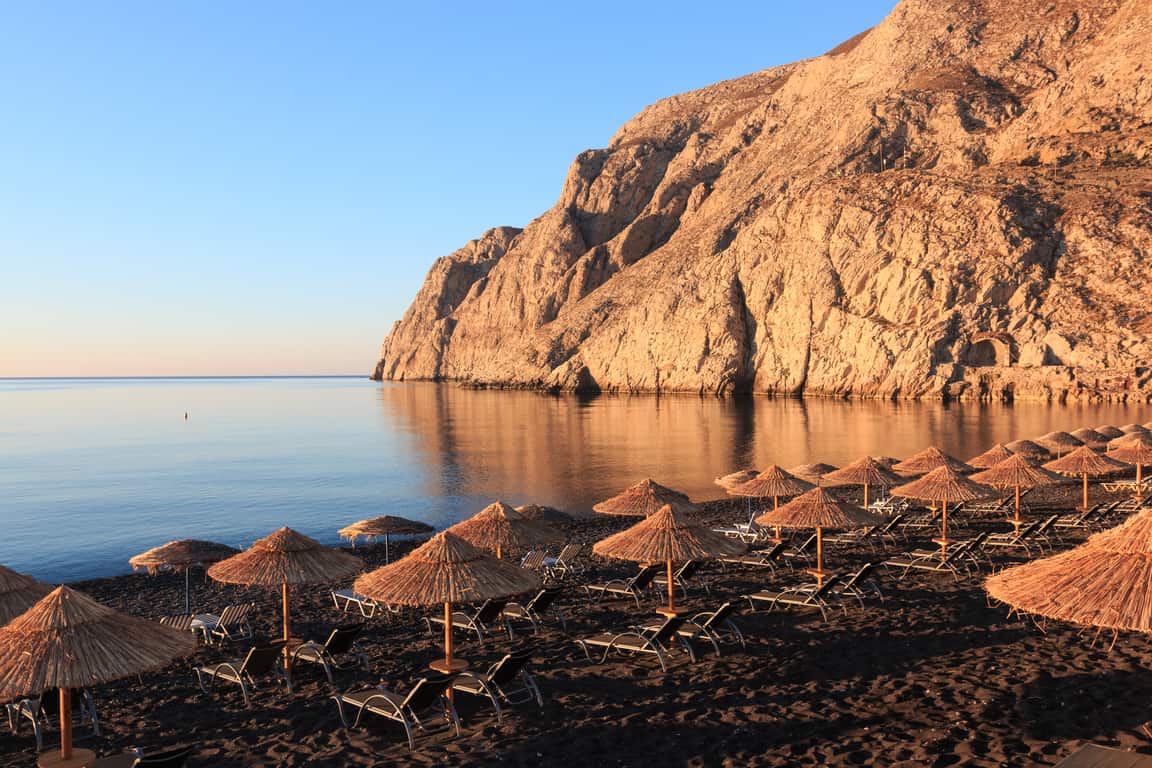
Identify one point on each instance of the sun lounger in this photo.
(261, 660)
(1021, 539)
(477, 622)
(340, 643)
(798, 597)
(41, 710)
(765, 558)
(806, 551)
(534, 560)
(631, 587)
(869, 535)
(426, 698)
(231, 624)
(689, 571)
(169, 758)
(181, 621)
(565, 564)
(749, 533)
(640, 640)
(505, 681)
(542, 605)
(958, 560)
(1095, 756)
(714, 626)
(346, 599)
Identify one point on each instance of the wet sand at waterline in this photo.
(934, 677)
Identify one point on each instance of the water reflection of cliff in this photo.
(570, 452)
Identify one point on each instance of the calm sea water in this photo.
(94, 471)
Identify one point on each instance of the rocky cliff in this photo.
(955, 203)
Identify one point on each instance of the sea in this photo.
(93, 471)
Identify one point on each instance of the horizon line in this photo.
(194, 376)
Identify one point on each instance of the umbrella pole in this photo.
(187, 602)
(1016, 520)
(65, 725)
(671, 589)
(776, 506)
(865, 495)
(447, 638)
(819, 556)
(287, 621)
(1085, 491)
(943, 541)
(1139, 485)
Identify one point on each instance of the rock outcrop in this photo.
(955, 203)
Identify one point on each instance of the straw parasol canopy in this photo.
(1132, 429)
(498, 527)
(643, 499)
(818, 509)
(812, 472)
(18, 593)
(943, 484)
(1059, 443)
(445, 569)
(991, 457)
(929, 459)
(1104, 582)
(733, 479)
(1028, 448)
(671, 537)
(68, 640)
(1085, 462)
(1133, 449)
(1090, 437)
(282, 559)
(182, 555)
(386, 526)
(773, 482)
(866, 472)
(1016, 472)
(543, 514)
(1109, 431)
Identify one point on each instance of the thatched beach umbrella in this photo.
(498, 527)
(991, 457)
(1109, 431)
(818, 509)
(731, 480)
(643, 499)
(1016, 472)
(544, 514)
(812, 472)
(386, 526)
(667, 536)
(445, 569)
(866, 472)
(1028, 448)
(943, 484)
(18, 593)
(1059, 443)
(68, 640)
(1133, 449)
(182, 555)
(1133, 429)
(929, 459)
(772, 482)
(1090, 437)
(283, 559)
(1103, 583)
(1085, 462)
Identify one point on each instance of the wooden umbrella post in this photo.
(65, 725)
(1085, 475)
(819, 572)
(1016, 520)
(943, 540)
(776, 506)
(447, 638)
(671, 590)
(287, 622)
(865, 495)
(1139, 484)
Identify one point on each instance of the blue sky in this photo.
(258, 188)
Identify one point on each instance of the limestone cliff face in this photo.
(957, 202)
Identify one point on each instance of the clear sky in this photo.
(259, 187)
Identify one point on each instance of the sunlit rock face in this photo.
(955, 203)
